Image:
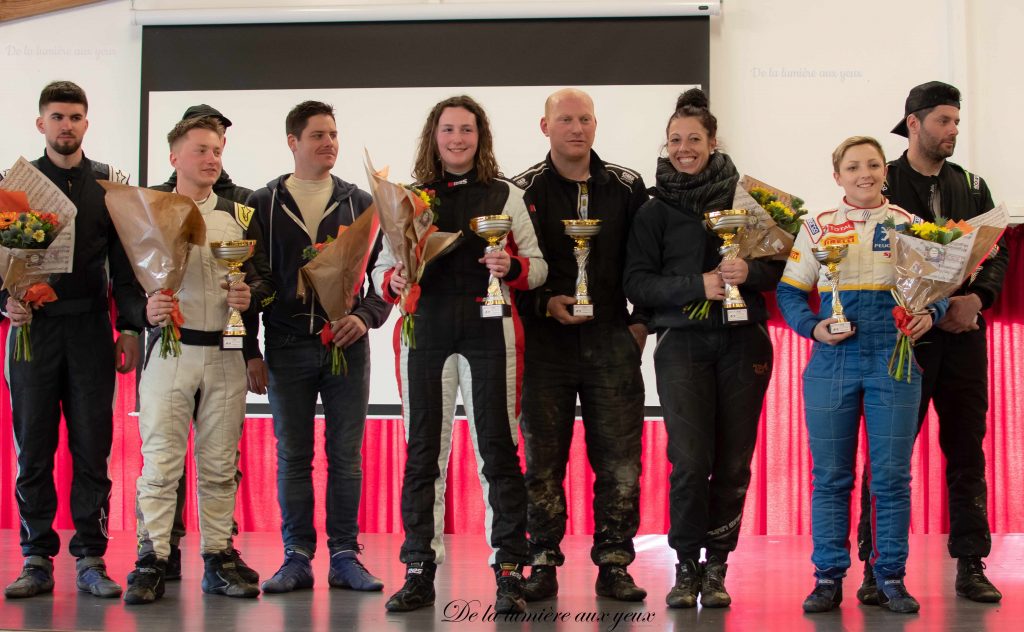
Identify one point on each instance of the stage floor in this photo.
(768, 579)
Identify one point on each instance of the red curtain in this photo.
(778, 502)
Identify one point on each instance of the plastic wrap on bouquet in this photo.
(932, 261)
(158, 231)
(407, 221)
(336, 274)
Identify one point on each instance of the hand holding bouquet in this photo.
(335, 274)
(26, 236)
(776, 217)
(158, 231)
(407, 217)
(931, 261)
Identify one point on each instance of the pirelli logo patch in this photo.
(794, 255)
(839, 240)
(243, 214)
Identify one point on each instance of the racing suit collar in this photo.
(451, 180)
(598, 172)
(849, 212)
(73, 172)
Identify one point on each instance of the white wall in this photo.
(790, 79)
(97, 47)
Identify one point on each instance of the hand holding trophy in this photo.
(830, 256)
(493, 228)
(232, 254)
(581, 230)
(727, 224)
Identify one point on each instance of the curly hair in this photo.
(428, 167)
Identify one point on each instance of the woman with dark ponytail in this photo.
(712, 375)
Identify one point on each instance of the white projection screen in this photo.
(382, 79)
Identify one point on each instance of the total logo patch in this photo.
(845, 227)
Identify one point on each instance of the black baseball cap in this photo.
(205, 110)
(926, 95)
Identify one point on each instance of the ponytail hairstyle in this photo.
(694, 104)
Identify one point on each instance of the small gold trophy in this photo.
(727, 224)
(232, 254)
(581, 230)
(830, 256)
(493, 228)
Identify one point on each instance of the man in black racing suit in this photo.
(595, 357)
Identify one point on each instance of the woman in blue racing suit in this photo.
(849, 370)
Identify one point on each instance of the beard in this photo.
(66, 147)
(931, 147)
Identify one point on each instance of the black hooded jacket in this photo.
(281, 236)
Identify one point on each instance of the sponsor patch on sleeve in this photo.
(813, 229)
(243, 214)
(794, 255)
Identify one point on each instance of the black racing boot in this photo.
(542, 583)
(221, 576)
(892, 594)
(91, 577)
(972, 583)
(867, 594)
(173, 563)
(173, 571)
(246, 572)
(418, 590)
(826, 596)
(615, 583)
(147, 582)
(712, 584)
(36, 578)
(684, 593)
(509, 596)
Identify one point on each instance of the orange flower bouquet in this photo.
(25, 238)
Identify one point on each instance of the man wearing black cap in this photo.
(224, 188)
(953, 355)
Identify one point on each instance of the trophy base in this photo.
(841, 327)
(495, 311)
(232, 342)
(735, 315)
(586, 309)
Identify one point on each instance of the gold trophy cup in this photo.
(581, 230)
(493, 228)
(232, 254)
(727, 224)
(830, 256)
